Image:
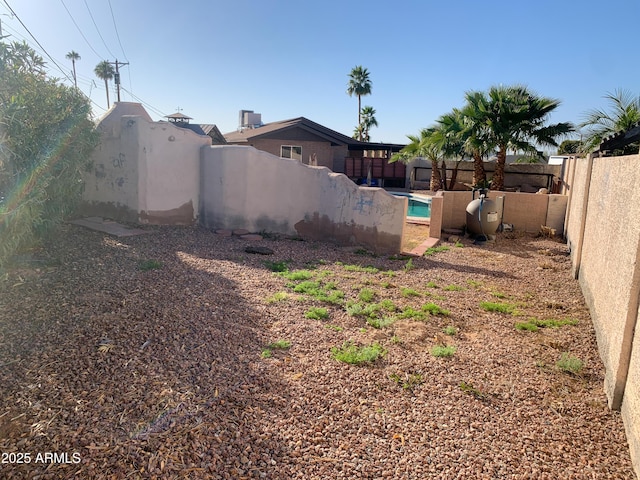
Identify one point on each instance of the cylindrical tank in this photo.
(482, 217)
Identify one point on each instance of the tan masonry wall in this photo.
(603, 232)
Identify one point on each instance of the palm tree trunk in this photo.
(75, 80)
(443, 175)
(479, 175)
(498, 176)
(436, 181)
(359, 119)
(106, 87)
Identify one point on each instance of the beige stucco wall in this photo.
(247, 188)
(525, 211)
(143, 170)
(603, 231)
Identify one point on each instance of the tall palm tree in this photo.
(599, 124)
(359, 85)
(451, 136)
(423, 145)
(368, 120)
(73, 56)
(516, 119)
(105, 71)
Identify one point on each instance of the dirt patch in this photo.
(414, 235)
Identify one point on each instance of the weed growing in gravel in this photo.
(407, 381)
(360, 268)
(297, 275)
(453, 288)
(355, 355)
(389, 273)
(412, 313)
(317, 313)
(450, 330)
(432, 284)
(474, 283)
(388, 305)
(434, 250)
(409, 292)
(498, 294)
(335, 328)
(281, 266)
(366, 295)
(356, 309)
(471, 390)
(278, 297)
(459, 244)
(380, 322)
(498, 307)
(570, 364)
(279, 345)
(533, 324)
(434, 309)
(443, 351)
(146, 265)
(266, 353)
(409, 265)
(315, 290)
(396, 340)
(364, 251)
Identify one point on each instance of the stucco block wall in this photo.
(631, 405)
(603, 231)
(247, 188)
(609, 253)
(525, 211)
(144, 171)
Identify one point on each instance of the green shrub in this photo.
(146, 265)
(381, 322)
(366, 295)
(443, 351)
(409, 292)
(317, 313)
(569, 363)
(281, 266)
(498, 307)
(434, 309)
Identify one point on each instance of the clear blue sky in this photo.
(291, 58)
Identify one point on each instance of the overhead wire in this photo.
(98, 30)
(79, 30)
(115, 26)
(150, 107)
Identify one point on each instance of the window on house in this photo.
(291, 151)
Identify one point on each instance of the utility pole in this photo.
(116, 77)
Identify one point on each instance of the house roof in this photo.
(214, 132)
(178, 116)
(335, 138)
(621, 140)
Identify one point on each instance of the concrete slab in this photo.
(108, 226)
(424, 246)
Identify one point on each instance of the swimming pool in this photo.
(419, 206)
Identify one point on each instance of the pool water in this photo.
(418, 207)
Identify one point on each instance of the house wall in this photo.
(143, 170)
(323, 150)
(247, 188)
(525, 211)
(603, 231)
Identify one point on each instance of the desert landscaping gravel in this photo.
(176, 354)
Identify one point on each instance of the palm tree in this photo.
(423, 145)
(368, 120)
(515, 119)
(359, 84)
(73, 56)
(451, 136)
(599, 124)
(476, 139)
(105, 71)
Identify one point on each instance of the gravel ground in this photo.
(146, 357)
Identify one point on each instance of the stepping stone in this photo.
(240, 231)
(224, 233)
(259, 250)
(251, 236)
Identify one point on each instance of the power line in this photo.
(115, 26)
(150, 107)
(85, 38)
(97, 29)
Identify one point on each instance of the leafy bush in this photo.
(355, 355)
(47, 138)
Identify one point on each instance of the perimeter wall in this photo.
(158, 173)
(603, 233)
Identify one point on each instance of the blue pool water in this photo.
(418, 206)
